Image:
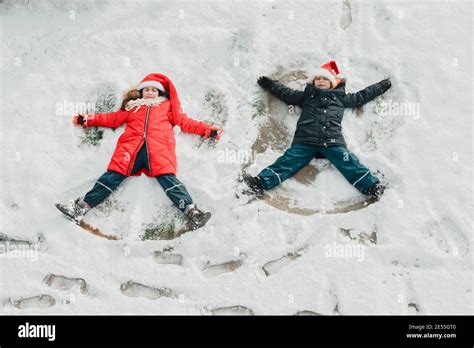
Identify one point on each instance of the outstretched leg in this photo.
(175, 190)
(287, 165)
(179, 195)
(109, 181)
(351, 168)
(103, 187)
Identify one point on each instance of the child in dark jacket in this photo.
(318, 132)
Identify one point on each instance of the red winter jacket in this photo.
(153, 123)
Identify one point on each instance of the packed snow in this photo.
(409, 253)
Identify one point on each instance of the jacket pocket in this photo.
(335, 123)
(306, 122)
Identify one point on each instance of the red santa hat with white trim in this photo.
(155, 80)
(330, 71)
(151, 81)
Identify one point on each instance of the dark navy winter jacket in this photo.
(320, 120)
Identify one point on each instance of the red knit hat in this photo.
(330, 71)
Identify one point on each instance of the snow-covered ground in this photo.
(419, 135)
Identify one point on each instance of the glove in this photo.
(265, 82)
(79, 120)
(214, 133)
(385, 85)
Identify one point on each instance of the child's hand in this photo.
(265, 82)
(214, 133)
(385, 85)
(79, 120)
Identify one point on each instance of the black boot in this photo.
(197, 218)
(254, 183)
(376, 191)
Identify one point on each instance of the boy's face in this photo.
(150, 92)
(322, 82)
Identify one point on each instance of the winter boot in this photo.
(74, 210)
(376, 191)
(197, 218)
(255, 185)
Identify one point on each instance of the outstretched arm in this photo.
(110, 119)
(353, 100)
(189, 125)
(288, 95)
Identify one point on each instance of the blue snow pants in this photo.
(109, 181)
(299, 155)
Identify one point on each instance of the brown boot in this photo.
(196, 217)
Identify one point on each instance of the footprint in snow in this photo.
(63, 283)
(346, 17)
(231, 310)
(36, 302)
(133, 289)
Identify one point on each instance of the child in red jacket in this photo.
(146, 146)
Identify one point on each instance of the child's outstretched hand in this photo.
(214, 133)
(385, 84)
(265, 82)
(79, 120)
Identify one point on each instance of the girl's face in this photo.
(322, 82)
(150, 92)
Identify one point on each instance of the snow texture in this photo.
(410, 253)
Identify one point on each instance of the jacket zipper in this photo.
(144, 137)
(129, 170)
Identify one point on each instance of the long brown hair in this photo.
(134, 93)
(130, 95)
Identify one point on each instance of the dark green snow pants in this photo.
(299, 155)
(109, 181)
